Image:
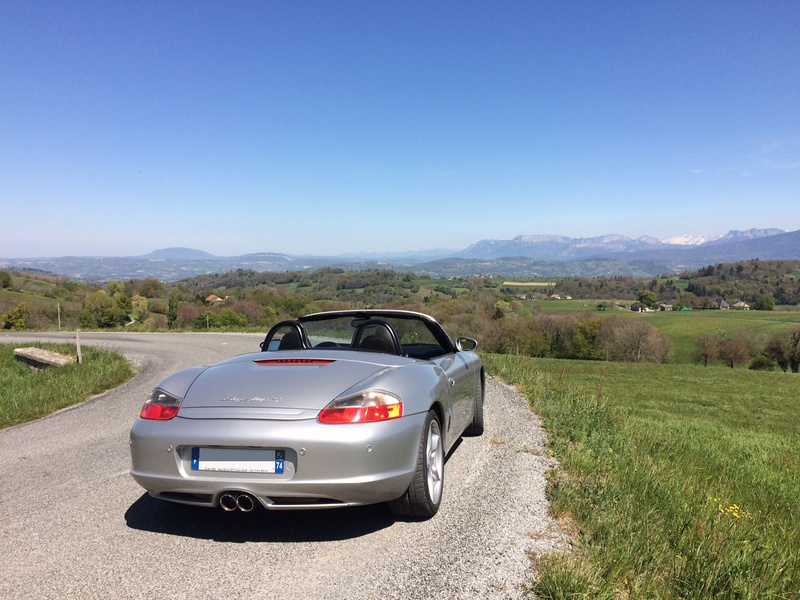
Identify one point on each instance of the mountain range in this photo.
(522, 256)
(557, 247)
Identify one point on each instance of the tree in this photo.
(706, 349)
(16, 319)
(124, 305)
(5, 280)
(648, 298)
(187, 314)
(558, 331)
(98, 311)
(734, 351)
(784, 348)
(151, 288)
(157, 306)
(764, 302)
(229, 318)
(633, 340)
(172, 309)
(778, 349)
(513, 335)
(794, 350)
(139, 308)
(206, 320)
(253, 312)
(786, 345)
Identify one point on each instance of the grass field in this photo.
(26, 395)
(578, 306)
(679, 481)
(683, 327)
(530, 284)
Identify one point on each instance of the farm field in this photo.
(679, 481)
(683, 327)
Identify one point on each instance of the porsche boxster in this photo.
(337, 409)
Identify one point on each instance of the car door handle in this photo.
(452, 381)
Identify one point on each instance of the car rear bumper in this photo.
(324, 465)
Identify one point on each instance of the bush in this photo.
(763, 302)
(151, 288)
(100, 310)
(762, 363)
(16, 319)
(139, 307)
(157, 306)
(254, 312)
(229, 318)
(155, 322)
(206, 320)
(187, 315)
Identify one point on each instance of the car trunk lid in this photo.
(286, 384)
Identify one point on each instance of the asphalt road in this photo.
(74, 524)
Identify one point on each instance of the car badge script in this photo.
(255, 399)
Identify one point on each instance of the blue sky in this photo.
(331, 127)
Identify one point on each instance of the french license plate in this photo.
(238, 460)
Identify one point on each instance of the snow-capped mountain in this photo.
(733, 235)
(690, 240)
(559, 247)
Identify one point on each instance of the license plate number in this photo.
(238, 460)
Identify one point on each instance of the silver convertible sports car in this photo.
(337, 409)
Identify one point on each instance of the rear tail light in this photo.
(160, 406)
(366, 407)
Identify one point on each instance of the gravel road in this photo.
(73, 524)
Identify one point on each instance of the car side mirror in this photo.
(465, 344)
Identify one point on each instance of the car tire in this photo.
(423, 497)
(475, 428)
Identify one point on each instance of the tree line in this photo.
(477, 307)
(781, 349)
(762, 284)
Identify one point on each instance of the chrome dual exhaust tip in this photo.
(230, 501)
(245, 502)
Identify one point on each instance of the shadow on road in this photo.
(260, 525)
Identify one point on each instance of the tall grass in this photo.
(26, 395)
(679, 481)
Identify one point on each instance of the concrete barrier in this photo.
(38, 358)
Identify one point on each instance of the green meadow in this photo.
(683, 327)
(676, 481)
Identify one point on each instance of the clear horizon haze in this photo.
(374, 127)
